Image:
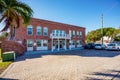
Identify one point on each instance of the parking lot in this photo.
(66, 65)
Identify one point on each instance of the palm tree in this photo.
(11, 12)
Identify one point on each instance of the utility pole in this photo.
(102, 27)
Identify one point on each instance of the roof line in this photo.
(56, 22)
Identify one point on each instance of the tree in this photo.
(11, 12)
(96, 34)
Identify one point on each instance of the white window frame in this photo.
(80, 34)
(73, 32)
(37, 29)
(44, 29)
(30, 26)
(77, 33)
(41, 43)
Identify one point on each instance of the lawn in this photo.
(3, 66)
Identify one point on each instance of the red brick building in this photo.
(49, 35)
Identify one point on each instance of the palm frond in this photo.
(24, 7)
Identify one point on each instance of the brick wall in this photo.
(13, 46)
(21, 32)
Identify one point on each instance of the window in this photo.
(39, 43)
(53, 32)
(78, 42)
(73, 33)
(45, 42)
(29, 30)
(77, 33)
(72, 42)
(45, 31)
(60, 32)
(30, 43)
(70, 32)
(80, 33)
(38, 30)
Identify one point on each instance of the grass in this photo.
(3, 66)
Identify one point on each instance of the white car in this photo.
(113, 46)
(100, 46)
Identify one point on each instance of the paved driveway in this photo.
(69, 65)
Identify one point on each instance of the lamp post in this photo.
(102, 27)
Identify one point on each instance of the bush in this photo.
(8, 56)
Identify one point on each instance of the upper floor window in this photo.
(80, 33)
(70, 32)
(45, 31)
(73, 33)
(38, 30)
(29, 30)
(77, 33)
(58, 32)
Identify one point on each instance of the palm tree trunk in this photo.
(12, 33)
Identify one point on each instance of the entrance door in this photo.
(61, 44)
(29, 45)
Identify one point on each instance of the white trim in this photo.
(30, 48)
(44, 30)
(71, 46)
(29, 26)
(42, 47)
(58, 44)
(37, 28)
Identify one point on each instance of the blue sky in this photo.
(86, 13)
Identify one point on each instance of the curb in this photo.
(6, 70)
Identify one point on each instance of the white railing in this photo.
(65, 36)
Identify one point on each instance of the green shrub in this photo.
(8, 56)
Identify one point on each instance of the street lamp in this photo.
(102, 27)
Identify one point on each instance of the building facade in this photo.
(49, 35)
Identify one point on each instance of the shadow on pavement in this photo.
(82, 53)
(111, 75)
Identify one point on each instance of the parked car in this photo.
(100, 46)
(89, 46)
(113, 46)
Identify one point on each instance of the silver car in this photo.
(100, 46)
(113, 46)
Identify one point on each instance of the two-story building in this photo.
(49, 35)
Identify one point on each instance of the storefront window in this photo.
(45, 42)
(39, 43)
(30, 43)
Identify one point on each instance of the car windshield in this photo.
(111, 44)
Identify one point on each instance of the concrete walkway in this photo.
(67, 65)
